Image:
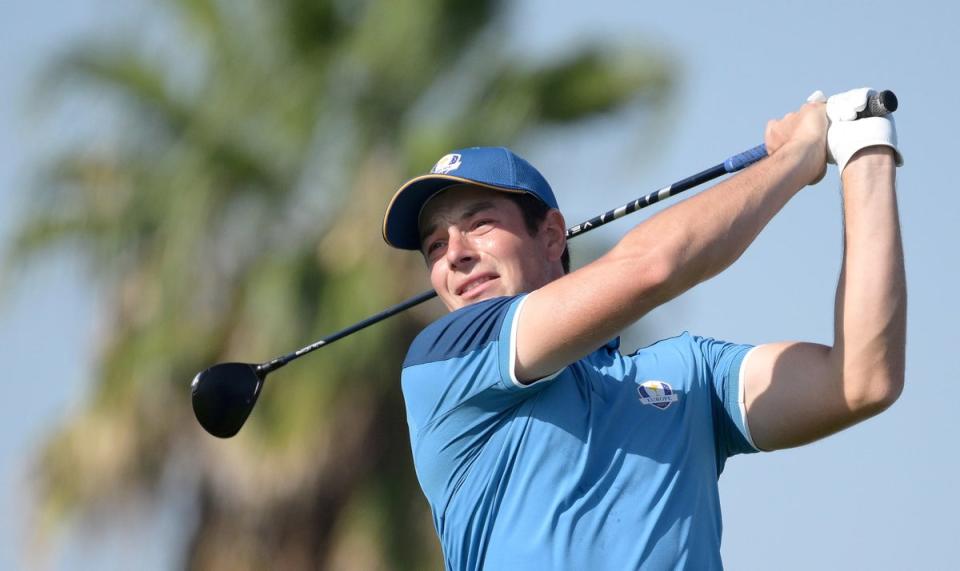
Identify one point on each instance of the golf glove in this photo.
(847, 134)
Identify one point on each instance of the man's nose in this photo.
(459, 249)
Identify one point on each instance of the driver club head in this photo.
(224, 395)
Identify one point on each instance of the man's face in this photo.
(477, 247)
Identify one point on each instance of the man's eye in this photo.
(482, 222)
(434, 246)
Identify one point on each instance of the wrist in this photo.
(875, 156)
(870, 164)
(806, 160)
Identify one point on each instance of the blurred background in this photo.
(186, 182)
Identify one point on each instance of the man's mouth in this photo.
(473, 284)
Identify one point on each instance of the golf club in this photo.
(224, 394)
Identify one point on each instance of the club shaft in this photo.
(376, 318)
(878, 104)
(731, 165)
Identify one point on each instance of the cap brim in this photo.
(402, 219)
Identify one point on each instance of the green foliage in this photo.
(238, 217)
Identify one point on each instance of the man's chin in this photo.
(460, 302)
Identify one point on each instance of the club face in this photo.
(224, 395)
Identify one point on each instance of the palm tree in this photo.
(237, 215)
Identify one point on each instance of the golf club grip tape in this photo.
(745, 159)
(880, 104)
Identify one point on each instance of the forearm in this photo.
(798, 392)
(656, 261)
(669, 253)
(870, 318)
(700, 237)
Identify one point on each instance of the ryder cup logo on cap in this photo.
(657, 393)
(448, 163)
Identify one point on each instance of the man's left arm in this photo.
(796, 393)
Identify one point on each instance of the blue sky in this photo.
(878, 496)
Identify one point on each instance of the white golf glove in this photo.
(847, 134)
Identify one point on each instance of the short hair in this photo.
(534, 213)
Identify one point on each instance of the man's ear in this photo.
(553, 232)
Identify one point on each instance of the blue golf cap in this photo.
(496, 168)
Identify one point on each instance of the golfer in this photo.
(538, 444)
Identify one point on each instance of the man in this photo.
(538, 444)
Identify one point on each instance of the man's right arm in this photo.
(668, 254)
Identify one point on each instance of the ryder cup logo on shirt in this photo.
(657, 393)
(446, 164)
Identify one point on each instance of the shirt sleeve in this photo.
(465, 358)
(723, 362)
(459, 387)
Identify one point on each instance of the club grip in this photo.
(880, 104)
(744, 159)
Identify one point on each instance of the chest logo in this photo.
(657, 393)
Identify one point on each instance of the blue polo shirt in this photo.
(612, 463)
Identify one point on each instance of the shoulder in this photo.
(681, 343)
(694, 353)
(689, 343)
(462, 332)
